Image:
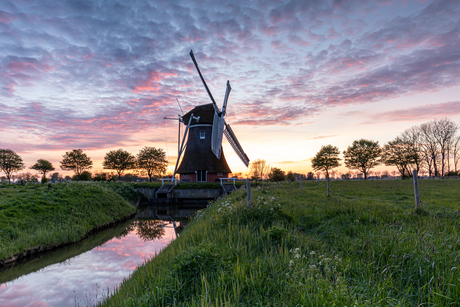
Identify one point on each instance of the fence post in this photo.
(300, 183)
(248, 188)
(328, 191)
(416, 191)
(317, 178)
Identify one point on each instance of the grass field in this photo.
(363, 246)
(47, 215)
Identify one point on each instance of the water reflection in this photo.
(80, 280)
(149, 230)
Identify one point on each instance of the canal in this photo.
(82, 274)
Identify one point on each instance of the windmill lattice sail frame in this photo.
(231, 138)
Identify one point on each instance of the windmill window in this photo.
(201, 176)
(202, 135)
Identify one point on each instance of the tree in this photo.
(326, 159)
(444, 131)
(77, 161)
(26, 177)
(119, 160)
(290, 176)
(276, 175)
(43, 166)
(436, 143)
(362, 155)
(310, 176)
(429, 148)
(413, 136)
(55, 177)
(10, 162)
(259, 169)
(238, 175)
(456, 152)
(402, 154)
(152, 161)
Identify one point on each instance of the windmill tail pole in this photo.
(182, 147)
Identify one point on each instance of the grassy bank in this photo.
(363, 246)
(48, 215)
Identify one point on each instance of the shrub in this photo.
(84, 176)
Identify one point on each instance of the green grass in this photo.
(47, 215)
(363, 246)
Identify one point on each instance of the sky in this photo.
(102, 75)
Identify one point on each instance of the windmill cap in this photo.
(205, 112)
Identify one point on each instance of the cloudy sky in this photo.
(101, 75)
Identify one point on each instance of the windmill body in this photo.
(204, 159)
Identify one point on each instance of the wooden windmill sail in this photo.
(203, 158)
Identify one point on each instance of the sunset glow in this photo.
(102, 75)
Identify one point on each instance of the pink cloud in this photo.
(425, 112)
(153, 83)
(319, 137)
(297, 40)
(7, 18)
(332, 34)
(280, 46)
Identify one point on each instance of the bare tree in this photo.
(430, 148)
(259, 169)
(444, 130)
(456, 151)
(413, 136)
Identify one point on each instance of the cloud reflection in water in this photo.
(83, 278)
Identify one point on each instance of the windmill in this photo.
(204, 160)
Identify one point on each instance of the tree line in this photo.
(432, 148)
(260, 169)
(149, 161)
